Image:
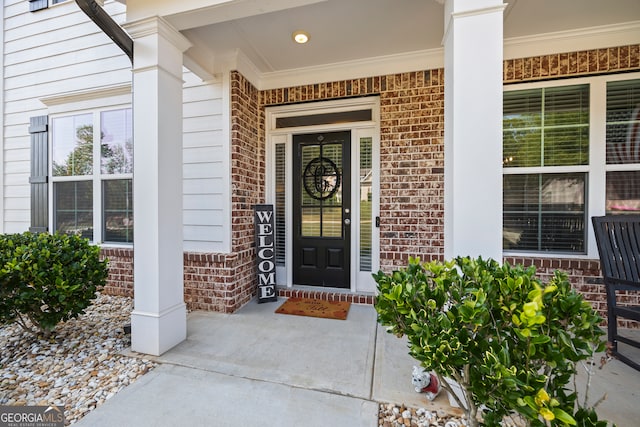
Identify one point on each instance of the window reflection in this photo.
(116, 138)
(72, 146)
(623, 192)
(544, 212)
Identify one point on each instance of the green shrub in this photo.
(47, 279)
(510, 342)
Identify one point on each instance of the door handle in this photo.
(347, 221)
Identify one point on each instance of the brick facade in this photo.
(411, 156)
(411, 172)
(120, 279)
(572, 64)
(218, 282)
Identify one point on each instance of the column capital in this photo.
(461, 8)
(157, 25)
(456, 6)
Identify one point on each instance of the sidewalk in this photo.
(258, 368)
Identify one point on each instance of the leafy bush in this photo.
(509, 341)
(47, 279)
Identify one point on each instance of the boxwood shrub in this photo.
(47, 278)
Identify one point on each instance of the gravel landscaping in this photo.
(392, 415)
(80, 368)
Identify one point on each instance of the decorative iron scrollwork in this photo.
(321, 178)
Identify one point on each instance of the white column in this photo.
(473, 128)
(26, 218)
(158, 321)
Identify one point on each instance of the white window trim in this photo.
(597, 167)
(52, 4)
(97, 178)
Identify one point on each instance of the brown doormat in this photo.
(315, 308)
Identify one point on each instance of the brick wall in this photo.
(210, 280)
(412, 168)
(572, 64)
(120, 279)
(411, 156)
(216, 282)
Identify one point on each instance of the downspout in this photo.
(119, 36)
(103, 20)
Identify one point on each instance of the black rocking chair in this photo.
(618, 240)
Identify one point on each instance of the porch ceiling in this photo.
(344, 31)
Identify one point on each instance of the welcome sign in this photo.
(266, 253)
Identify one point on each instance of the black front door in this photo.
(322, 210)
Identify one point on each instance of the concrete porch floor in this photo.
(256, 367)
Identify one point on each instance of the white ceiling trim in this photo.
(370, 67)
(573, 40)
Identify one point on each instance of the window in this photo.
(280, 203)
(35, 5)
(366, 201)
(571, 151)
(545, 148)
(623, 147)
(92, 175)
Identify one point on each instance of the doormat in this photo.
(315, 308)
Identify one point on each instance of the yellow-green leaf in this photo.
(564, 417)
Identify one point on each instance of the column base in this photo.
(155, 333)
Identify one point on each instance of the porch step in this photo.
(327, 295)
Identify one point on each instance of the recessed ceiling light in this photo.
(300, 36)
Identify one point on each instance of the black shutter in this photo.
(39, 180)
(37, 5)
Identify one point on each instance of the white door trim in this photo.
(360, 281)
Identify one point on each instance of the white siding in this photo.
(3, 216)
(206, 159)
(48, 52)
(57, 51)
